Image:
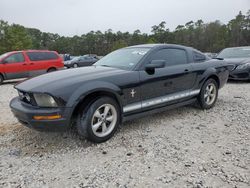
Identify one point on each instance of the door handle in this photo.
(186, 70)
(24, 64)
(31, 63)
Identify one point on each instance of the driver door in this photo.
(174, 79)
(15, 66)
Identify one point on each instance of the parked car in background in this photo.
(91, 55)
(65, 57)
(210, 54)
(28, 63)
(240, 58)
(100, 57)
(71, 58)
(81, 61)
(126, 84)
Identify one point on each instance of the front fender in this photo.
(91, 87)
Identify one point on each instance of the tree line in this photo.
(207, 37)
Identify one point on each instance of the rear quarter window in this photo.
(199, 57)
(41, 56)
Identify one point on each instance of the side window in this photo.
(15, 58)
(173, 56)
(35, 56)
(41, 56)
(50, 55)
(87, 58)
(198, 57)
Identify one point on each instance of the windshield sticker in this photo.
(139, 52)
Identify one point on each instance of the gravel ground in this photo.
(184, 147)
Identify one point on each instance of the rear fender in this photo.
(208, 73)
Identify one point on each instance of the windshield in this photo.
(243, 52)
(75, 58)
(4, 55)
(126, 58)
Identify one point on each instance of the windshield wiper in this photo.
(105, 65)
(219, 58)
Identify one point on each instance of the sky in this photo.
(77, 17)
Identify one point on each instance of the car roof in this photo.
(31, 51)
(38, 51)
(157, 46)
(238, 47)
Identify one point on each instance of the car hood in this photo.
(61, 79)
(237, 61)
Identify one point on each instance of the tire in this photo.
(95, 124)
(1, 79)
(51, 70)
(208, 94)
(75, 65)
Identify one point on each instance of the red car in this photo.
(28, 63)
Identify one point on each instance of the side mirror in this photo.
(155, 64)
(4, 61)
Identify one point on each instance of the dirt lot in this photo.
(185, 147)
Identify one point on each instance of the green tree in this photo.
(211, 37)
(3, 41)
(119, 44)
(17, 38)
(36, 37)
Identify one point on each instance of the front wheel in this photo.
(100, 121)
(1, 79)
(208, 94)
(75, 65)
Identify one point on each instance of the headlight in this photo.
(44, 100)
(243, 66)
(24, 96)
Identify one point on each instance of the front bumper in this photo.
(25, 113)
(243, 74)
(67, 65)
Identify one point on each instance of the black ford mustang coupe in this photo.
(125, 84)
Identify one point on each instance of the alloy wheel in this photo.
(210, 94)
(104, 120)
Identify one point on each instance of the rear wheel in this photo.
(100, 121)
(209, 94)
(75, 65)
(1, 79)
(51, 70)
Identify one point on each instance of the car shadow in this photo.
(13, 82)
(35, 143)
(238, 82)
